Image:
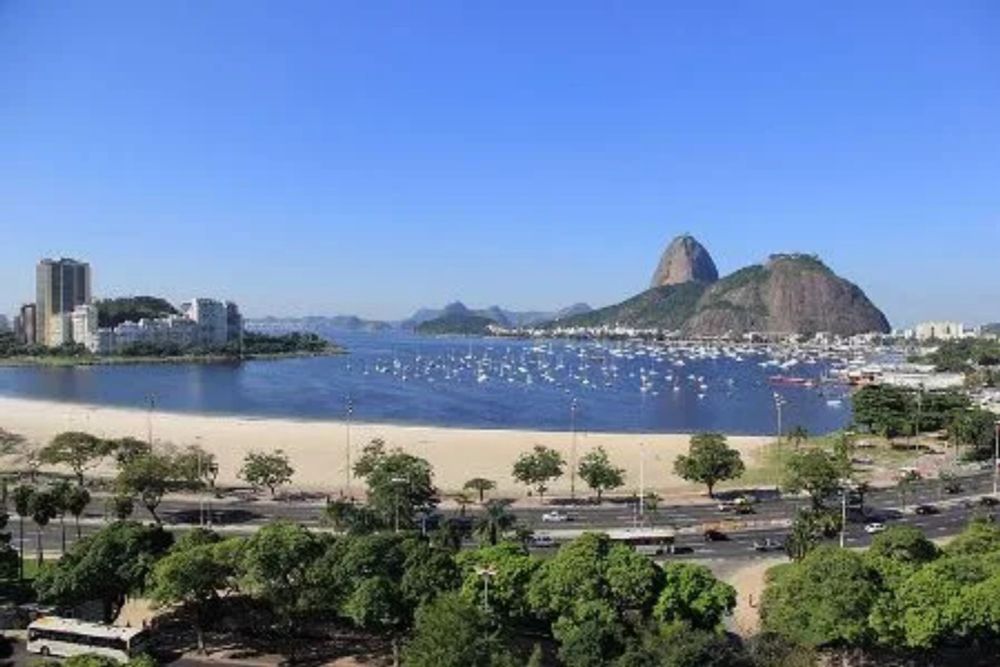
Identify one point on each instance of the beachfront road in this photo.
(772, 515)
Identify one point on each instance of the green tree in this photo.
(400, 485)
(128, 448)
(691, 594)
(680, 645)
(76, 502)
(22, 505)
(974, 428)
(192, 575)
(105, 566)
(709, 461)
(272, 470)
(450, 631)
(596, 470)
(10, 558)
(120, 506)
(822, 601)
(883, 409)
(509, 570)
(813, 471)
(274, 565)
(61, 492)
(497, 519)
(978, 539)
(538, 467)
(76, 450)
(481, 486)
(149, 476)
(42, 508)
(377, 605)
(348, 517)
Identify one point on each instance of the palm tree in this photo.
(76, 503)
(22, 505)
(480, 485)
(60, 495)
(43, 509)
(462, 500)
(495, 522)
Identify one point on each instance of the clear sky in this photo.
(371, 157)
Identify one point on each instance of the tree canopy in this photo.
(709, 461)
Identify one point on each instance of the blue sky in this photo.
(372, 157)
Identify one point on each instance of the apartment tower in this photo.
(61, 285)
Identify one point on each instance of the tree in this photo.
(450, 631)
(823, 600)
(61, 492)
(10, 443)
(10, 558)
(399, 484)
(120, 506)
(267, 470)
(496, 520)
(274, 565)
(798, 435)
(508, 570)
(883, 409)
(975, 429)
(538, 467)
(79, 451)
(813, 471)
(22, 505)
(596, 470)
(709, 461)
(76, 503)
(463, 500)
(691, 594)
(126, 449)
(346, 516)
(377, 605)
(106, 566)
(481, 486)
(680, 645)
(192, 575)
(151, 475)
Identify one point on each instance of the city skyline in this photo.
(373, 171)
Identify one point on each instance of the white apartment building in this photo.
(203, 323)
(83, 327)
(938, 331)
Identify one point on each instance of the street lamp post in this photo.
(151, 401)
(486, 573)
(778, 402)
(642, 480)
(572, 452)
(347, 471)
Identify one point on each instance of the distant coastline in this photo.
(55, 361)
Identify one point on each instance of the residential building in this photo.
(212, 319)
(203, 323)
(234, 324)
(939, 331)
(83, 324)
(24, 325)
(4, 324)
(61, 285)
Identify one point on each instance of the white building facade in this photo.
(205, 324)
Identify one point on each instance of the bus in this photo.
(646, 541)
(66, 637)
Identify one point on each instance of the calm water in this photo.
(472, 382)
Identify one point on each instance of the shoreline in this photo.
(112, 360)
(318, 448)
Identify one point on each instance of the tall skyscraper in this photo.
(25, 323)
(61, 285)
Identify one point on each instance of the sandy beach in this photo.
(318, 448)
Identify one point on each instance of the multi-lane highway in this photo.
(770, 519)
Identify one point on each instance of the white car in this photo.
(543, 542)
(874, 527)
(554, 517)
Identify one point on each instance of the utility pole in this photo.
(347, 470)
(572, 453)
(642, 480)
(151, 400)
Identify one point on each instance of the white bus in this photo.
(646, 541)
(66, 637)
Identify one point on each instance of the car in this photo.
(543, 542)
(744, 508)
(767, 544)
(925, 510)
(874, 527)
(713, 535)
(989, 501)
(555, 517)
(727, 506)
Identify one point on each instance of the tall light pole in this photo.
(572, 451)
(486, 573)
(778, 402)
(151, 401)
(843, 514)
(347, 452)
(642, 480)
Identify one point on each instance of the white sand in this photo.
(318, 448)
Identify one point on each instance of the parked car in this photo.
(989, 501)
(767, 544)
(713, 535)
(925, 510)
(543, 542)
(874, 527)
(555, 516)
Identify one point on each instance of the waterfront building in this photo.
(4, 324)
(60, 286)
(83, 325)
(203, 323)
(212, 319)
(938, 331)
(24, 325)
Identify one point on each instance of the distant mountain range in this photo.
(453, 318)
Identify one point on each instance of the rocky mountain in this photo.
(684, 260)
(790, 293)
(455, 312)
